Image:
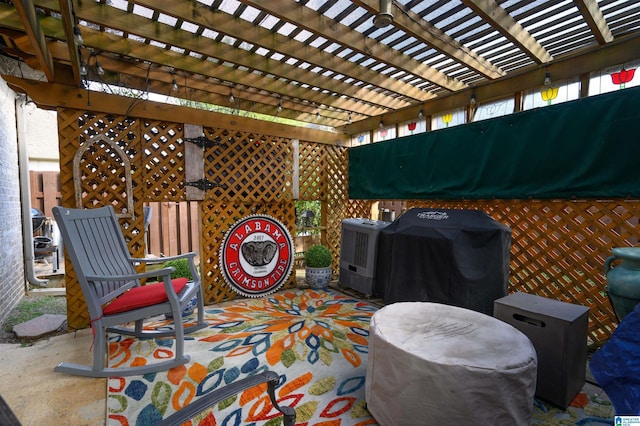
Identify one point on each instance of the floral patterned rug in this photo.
(315, 340)
(584, 410)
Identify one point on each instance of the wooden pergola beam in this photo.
(27, 12)
(255, 34)
(491, 12)
(68, 21)
(593, 59)
(258, 82)
(53, 95)
(433, 36)
(595, 19)
(103, 14)
(139, 76)
(317, 23)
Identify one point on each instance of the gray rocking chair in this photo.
(111, 287)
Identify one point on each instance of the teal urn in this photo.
(622, 269)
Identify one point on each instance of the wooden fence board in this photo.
(45, 191)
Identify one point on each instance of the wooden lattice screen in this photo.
(253, 174)
(100, 182)
(559, 248)
(324, 176)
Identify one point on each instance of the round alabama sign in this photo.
(256, 255)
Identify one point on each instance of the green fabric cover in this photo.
(589, 148)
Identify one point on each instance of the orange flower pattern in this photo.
(317, 341)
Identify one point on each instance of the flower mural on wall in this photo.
(622, 77)
(549, 94)
(447, 118)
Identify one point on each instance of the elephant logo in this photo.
(259, 253)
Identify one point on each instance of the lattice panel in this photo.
(559, 248)
(253, 174)
(248, 167)
(312, 172)
(336, 211)
(100, 164)
(359, 208)
(164, 162)
(335, 174)
(217, 218)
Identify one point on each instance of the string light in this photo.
(231, 98)
(547, 78)
(350, 117)
(174, 84)
(77, 36)
(99, 67)
(472, 101)
(279, 109)
(420, 114)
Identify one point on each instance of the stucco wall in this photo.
(41, 135)
(12, 278)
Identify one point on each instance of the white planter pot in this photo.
(188, 309)
(317, 278)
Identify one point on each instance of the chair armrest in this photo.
(163, 272)
(152, 260)
(234, 388)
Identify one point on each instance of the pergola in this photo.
(339, 65)
(281, 86)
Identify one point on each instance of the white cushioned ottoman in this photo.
(434, 364)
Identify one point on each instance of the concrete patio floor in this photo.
(38, 396)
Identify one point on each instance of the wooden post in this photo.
(296, 169)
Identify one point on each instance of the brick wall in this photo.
(12, 278)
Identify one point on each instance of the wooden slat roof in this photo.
(321, 62)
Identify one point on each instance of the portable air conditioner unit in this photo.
(358, 253)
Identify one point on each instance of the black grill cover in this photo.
(456, 257)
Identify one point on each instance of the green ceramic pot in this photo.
(623, 279)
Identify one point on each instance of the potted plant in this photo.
(317, 269)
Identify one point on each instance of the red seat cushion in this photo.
(139, 297)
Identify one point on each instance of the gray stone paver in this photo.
(39, 326)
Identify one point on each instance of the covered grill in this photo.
(456, 257)
(43, 244)
(38, 219)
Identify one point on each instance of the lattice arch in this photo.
(100, 166)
